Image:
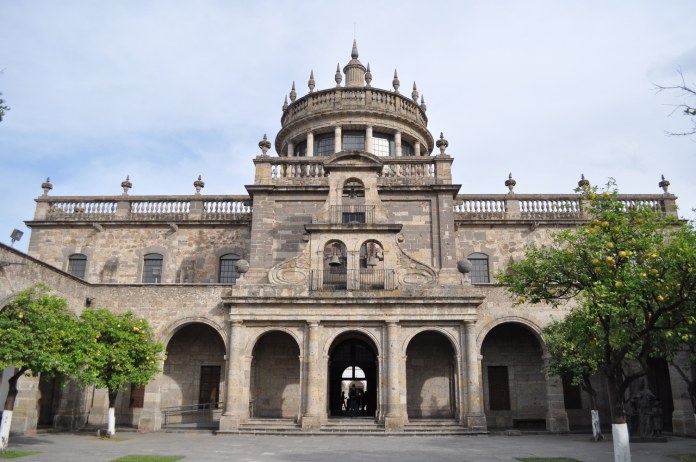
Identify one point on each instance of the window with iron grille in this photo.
(324, 145)
(479, 268)
(383, 145)
(228, 269)
(353, 141)
(77, 265)
(152, 268)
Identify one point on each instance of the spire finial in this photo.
(338, 77)
(583, 184)
(46, 186)
(414, 93)
(199, 184)
(368, 76)
(510, 183)
(354, 51)
(285, 104)
(442, 143)
(126, 185)
(422, 104)
(664, 184)
(293, 93)
(395, 83)
(265, 145)
(311, 82)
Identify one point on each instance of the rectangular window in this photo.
(354, 218)
(210, 387)
(498, 388)
(137, 397)
(353, 141)
(324, 145)
(152, 268)
(479, 268)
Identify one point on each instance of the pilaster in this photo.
(475, 418)
(556, 415)
(234, 406)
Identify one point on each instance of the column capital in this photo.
(313, 323)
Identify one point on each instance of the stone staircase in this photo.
(357, 426)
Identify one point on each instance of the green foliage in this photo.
(119, 350)
(632, 274)
(17, 454)
(573, 345)
(3, 108)
(37, 333)
(138, 458)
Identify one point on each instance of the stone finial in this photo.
(265, 145)
(368, 76)
(126, 185)
(293, 93)
(422, 104)
(442, 143)
(664, 184)
(354, 51)
(46, 186)
(199, 184)
(395, 83)
(339, 76)
(583, 183)
(311, 84)
(414, 93)
(510, 183)
(285, 104)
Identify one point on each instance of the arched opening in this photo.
(514, 383)
(275, 377)
(193, 377)
(335, 274)
(353, 378)
(430, 377)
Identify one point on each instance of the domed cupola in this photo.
(354, 116)
(354, 70)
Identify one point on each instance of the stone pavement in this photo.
(64, 447)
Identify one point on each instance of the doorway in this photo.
(353, 377)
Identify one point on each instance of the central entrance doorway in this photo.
(352, 377)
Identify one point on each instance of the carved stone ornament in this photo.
(411, 272)
(294, 271)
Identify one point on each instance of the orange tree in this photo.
(38, 336)
(120, 350)
(632, 272)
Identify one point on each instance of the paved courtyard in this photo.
(255, 448)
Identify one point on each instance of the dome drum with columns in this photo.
(384, 123)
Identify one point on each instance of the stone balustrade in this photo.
(371, 99)
(546, 206)
(143, 208)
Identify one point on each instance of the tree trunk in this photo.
(111, 427)
(594, 412)
(6, 422)
(619, 427)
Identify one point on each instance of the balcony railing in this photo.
(354, 279)
(352, 214)
(144, 208)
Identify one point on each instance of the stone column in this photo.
(310, 144)
(556, 415)
(234, 405)
(291, 149)
(416, 148)
(397, 142)
(393, 420)
(368, 140)
(475, 418)
(337, 140)
(311, 420)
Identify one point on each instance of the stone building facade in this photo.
(352, 261)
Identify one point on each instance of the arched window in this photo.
(479, 268)
(152, 268)
(77, 263)
(228, 273)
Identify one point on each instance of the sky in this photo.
(164, 91)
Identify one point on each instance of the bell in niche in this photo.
(335, 261)
(372, 261)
